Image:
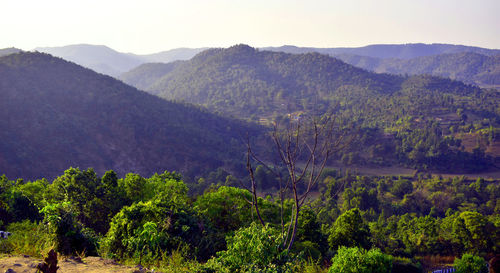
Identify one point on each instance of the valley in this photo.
(222, 163)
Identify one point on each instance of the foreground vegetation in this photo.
(382, 222)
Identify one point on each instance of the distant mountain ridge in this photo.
(111, 62)
(8, 51)
(384, 51)
(107, 61)
(56, 114)
(469, 67)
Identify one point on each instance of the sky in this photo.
(149, 26)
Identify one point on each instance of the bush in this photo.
(146, 230)
(69, 236)
(28, 238)
(358, 260)
(405, 265)
(253, 249)
(470, 264)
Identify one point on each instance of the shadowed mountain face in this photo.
(56, 114)
(107, 61)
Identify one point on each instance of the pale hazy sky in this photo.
(147, 26)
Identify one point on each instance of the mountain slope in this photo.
(469, 67)
(384, 51)
(143, 75)
(417, 121)
(243, 81)
(55, 114)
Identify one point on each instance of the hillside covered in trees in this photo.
(56, 114)
(468, 67)
(419, 121)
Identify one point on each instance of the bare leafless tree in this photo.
(304, 147)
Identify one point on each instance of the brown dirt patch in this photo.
(26, 264)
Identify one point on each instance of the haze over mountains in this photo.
(105, 60)
(56, 114)
(473, 65)
(385, 51)
(469, 67)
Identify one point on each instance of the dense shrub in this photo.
(470, 264)
(28, 238)
(69, 236)
(252, 249)
(149, 229)
(358, 260)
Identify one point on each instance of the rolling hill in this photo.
(469, 67)
(56, 114)
(243, 81)
(399, 114)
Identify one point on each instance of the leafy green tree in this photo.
(136, 187)
(401, 187)
(227, 208)
(349, 230)
(310, 237)
(470, 230)
(419, 234)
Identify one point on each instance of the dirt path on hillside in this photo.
(26, 264)
(396, 170)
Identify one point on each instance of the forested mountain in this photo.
(243, 81)
(7, 51)
(56, 114)
(383, 51)
(469, 67)
(105, 60)
(416, 120)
